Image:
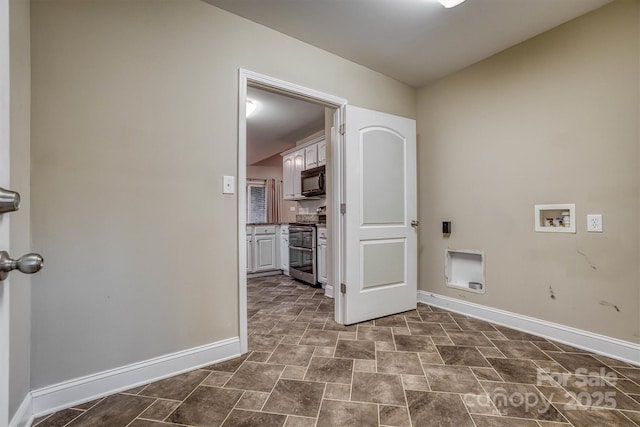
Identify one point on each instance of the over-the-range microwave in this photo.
(313, 181)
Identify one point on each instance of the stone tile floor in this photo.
(426, 367)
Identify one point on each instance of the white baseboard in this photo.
(24, 415)
(601, 344)
(69, 393)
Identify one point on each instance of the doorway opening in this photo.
(266, 197)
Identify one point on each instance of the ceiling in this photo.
(413, 41)
(277, 123)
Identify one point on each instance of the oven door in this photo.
(302, 254)
(302, 264)
(302, 236)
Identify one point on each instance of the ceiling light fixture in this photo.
(450, 3)
(251, 107)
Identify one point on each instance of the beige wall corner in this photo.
(552, 120)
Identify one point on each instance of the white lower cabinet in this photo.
(264, 252)
(267, 246)
(284, 249)
(249, 252)
(322, 255)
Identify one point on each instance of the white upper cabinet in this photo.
(322, 152)
(306, 156)
(311, 156)
(288, 177)
(298, 166)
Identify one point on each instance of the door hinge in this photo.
(343, 288)
(343, 208)
(341, 129)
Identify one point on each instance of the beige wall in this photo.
(20, 310)
(134, 123)
(552, 120)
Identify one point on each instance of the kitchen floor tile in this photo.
(464, 356)
(255, 376)
(437, 409)
(375, 333)
(319, 338)
(452, 379)
(330, 370)
(242, 418)
(377, 388)
(519, 371)
(206, 406)
(469, 338)
(115, 410)
(356, 349)
(296, 355)
(392, 362)
(414, 343)
(175, 388)
(347, 414)
(301, 398)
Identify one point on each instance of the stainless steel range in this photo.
(302, 253)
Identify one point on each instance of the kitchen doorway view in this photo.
(288, 142)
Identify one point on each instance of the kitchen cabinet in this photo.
(305, 156)
(267, 249)
(264, 248)
(322, 152)
(298, 167)
(321, 255)
(293, 165)
(265, 252)
(288, 173)
(284, 249)
(249, 250)
(311, 157)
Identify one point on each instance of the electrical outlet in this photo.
(594, 223)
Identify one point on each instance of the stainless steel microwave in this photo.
(313, 181)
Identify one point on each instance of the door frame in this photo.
(4, 219)
(248, 78)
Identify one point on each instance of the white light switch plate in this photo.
(228, 184)
(594, 223)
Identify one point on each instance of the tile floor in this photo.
(426, 367)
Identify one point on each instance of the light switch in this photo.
(228, 184)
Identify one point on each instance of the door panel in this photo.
(383, 263)
(380, 244)
(383, 172)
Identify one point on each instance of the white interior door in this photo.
(379, 191)
(4, 219)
